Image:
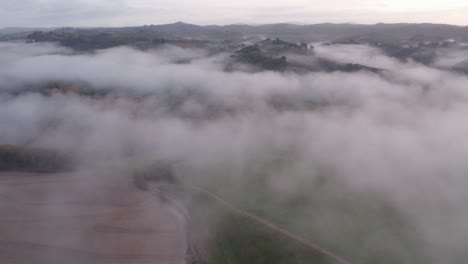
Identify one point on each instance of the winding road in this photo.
(269, 224)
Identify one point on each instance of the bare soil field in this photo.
(85, 218)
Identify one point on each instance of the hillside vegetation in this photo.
(32, 159)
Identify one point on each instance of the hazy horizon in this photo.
(104, 13)
(229, 24)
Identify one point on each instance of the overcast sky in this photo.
(139, 12)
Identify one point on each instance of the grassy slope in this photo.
(362, 227)
(238, 240)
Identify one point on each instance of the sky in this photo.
(40, 13)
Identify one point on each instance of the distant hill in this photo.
(382, 33)
(148, 36)
(329, 32)
(184, 30)
(15, 30)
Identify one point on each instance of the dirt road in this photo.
(85, 218)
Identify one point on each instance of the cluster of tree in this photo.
(31, 159)
(255, 56)
(157, 172)
(269, 55)
(280, 46)
(420, 54)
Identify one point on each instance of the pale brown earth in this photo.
(86, 218)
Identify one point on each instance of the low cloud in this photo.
(397, 137)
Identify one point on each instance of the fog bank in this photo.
(397, 137)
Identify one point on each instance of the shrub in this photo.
(157, 172)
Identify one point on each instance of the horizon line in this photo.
(239, 24)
